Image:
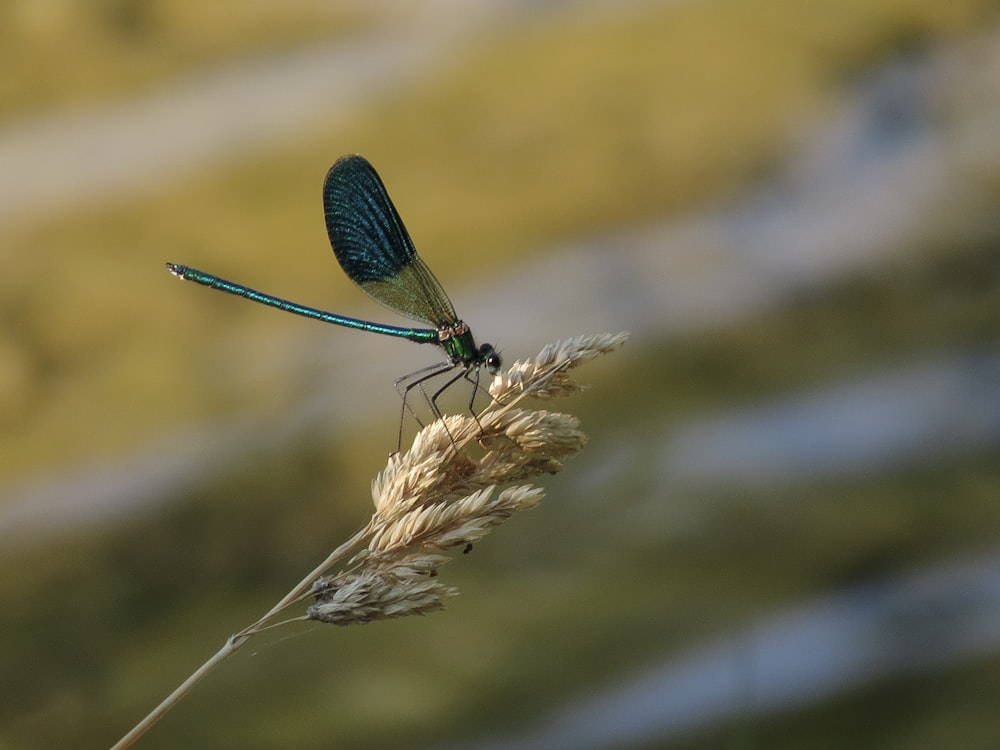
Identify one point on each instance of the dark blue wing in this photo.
(365, 229)
(374, 248)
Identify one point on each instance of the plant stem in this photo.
(236, 641)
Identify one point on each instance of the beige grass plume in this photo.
(440, 495)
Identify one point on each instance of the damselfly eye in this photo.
(492, 359)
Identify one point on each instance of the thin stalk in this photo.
(235, 642)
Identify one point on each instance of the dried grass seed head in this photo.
(545, 376)
(408, 586)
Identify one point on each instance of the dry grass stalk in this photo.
(439, 495)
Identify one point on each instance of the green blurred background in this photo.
(785, 531)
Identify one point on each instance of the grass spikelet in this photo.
(408, 587)
(560, 356)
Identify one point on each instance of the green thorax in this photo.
(457, 341)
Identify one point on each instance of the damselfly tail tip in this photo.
(176, 270)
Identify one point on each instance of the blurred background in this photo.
(785, 532)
